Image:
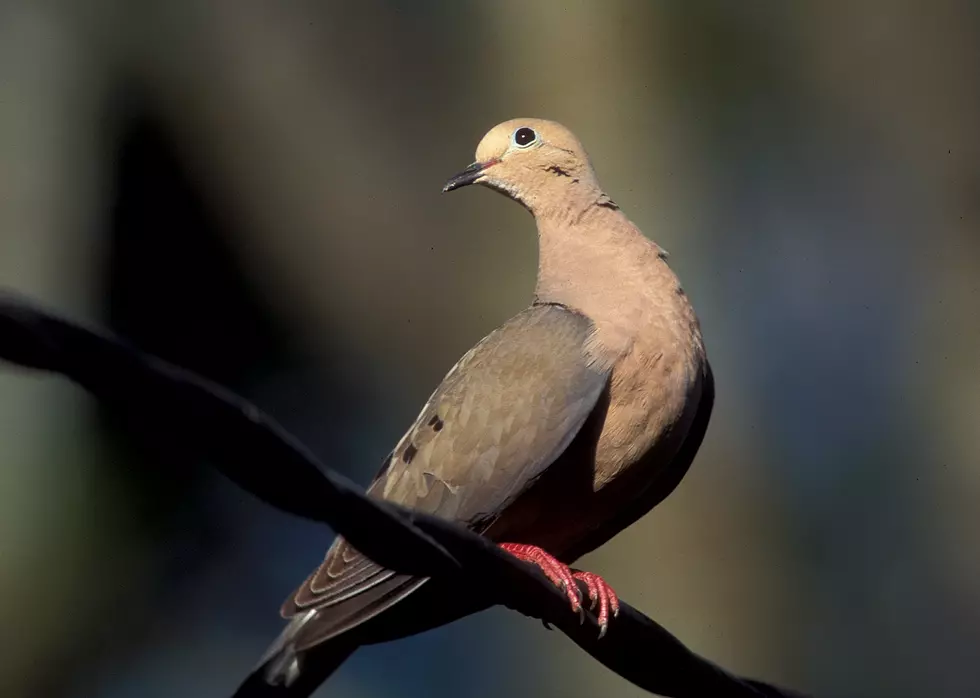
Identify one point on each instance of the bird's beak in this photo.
(470, 175)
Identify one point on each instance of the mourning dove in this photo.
(555, 432)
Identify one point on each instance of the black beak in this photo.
(466, 177)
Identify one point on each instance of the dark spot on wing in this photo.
(557, 170)
(409, 453)
(436, 423)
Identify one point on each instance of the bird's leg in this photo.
(559, 573)
(564, 578)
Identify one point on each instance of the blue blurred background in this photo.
(251, 189)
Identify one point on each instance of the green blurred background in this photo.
(251, 188)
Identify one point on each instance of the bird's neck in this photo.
(592, 250)
(600, 264)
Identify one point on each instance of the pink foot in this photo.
(562, 576)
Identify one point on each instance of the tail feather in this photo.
(316, 641)
(285, 672)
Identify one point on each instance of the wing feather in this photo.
(501, 415)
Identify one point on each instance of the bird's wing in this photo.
(503, 413)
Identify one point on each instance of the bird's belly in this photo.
(622, 451)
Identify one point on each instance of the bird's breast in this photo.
(656, 377)
(647, 332)
(626, 447)
(653, 395)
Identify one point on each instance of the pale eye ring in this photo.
(523, 137)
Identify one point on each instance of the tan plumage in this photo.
(559, 429)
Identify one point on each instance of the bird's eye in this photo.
(524, 136)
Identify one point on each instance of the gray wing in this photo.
(503, 413)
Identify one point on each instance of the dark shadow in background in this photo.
(217, 563)
(172, 287)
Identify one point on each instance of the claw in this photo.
(600, 593)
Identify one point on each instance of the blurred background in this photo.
(252, 189)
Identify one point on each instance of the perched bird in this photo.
(555, 432)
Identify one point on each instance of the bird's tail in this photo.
(285, 672)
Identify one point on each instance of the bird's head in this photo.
(536, 162)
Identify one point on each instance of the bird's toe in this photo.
(601, 594)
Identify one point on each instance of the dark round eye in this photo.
(524, 136)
